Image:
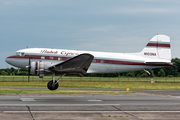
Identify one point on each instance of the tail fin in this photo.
(158, 47)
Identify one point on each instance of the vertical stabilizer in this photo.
(158, 47)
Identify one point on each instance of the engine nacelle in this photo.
(40, 68)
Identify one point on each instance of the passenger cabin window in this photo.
(42, 57)
(94, 60)
(51, 58)
(68, 58)
(102, 61)
(59, 58)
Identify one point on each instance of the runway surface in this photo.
(143, 105)
(90, 103)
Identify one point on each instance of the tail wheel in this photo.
(51, 86)
(149, 74)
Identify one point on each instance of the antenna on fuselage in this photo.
(52, 47)
(27, 47)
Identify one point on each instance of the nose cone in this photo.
(8, 60)
(17, 61)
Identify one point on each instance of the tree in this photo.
(161, 73)
(176, 62)
(4, 73)
(23, 72)
(130, 74)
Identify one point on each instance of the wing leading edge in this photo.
(76, 65)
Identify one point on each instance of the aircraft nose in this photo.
(11, 61)
(7, 60)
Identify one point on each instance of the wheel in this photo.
(51, 86)
(149, 74)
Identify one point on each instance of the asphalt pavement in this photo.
(142, 105)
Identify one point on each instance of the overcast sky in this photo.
(92, 25)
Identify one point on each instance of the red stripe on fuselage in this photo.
(116, 62)
(158, 45)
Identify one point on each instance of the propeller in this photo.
(29, 68)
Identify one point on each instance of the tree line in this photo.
(170, 71)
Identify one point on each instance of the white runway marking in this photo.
(175, 96)
(27, 99)
(55, 104)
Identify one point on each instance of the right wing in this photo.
(76, 65)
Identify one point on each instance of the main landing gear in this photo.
(53, 84)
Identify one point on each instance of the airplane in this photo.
(41, 61)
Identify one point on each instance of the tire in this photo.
(50, 85)
(149, 74)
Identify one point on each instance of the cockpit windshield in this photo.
(19, 53)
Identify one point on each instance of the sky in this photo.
(91, 25)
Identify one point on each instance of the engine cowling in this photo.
(40, 68)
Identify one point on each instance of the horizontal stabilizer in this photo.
(159, 63)
(76, 65)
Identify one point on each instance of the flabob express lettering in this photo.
(68, 53)
(56, 52)
(49, 52)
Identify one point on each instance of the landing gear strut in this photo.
(148, 72)
(53, 84)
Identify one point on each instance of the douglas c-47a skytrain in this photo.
(41, 61)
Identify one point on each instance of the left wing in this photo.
(76, 65)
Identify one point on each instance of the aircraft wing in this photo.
(76, 65)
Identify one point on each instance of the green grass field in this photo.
(8, 90)
(69, 78)
(89, 84)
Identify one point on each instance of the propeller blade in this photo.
(28, 77)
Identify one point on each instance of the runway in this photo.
(90, 103)
(128, 106)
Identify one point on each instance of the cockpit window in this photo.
(20, 54)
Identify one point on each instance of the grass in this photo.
(8, 90)
(172, 83)
(105, 79)
(88, 84)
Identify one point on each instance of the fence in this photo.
(94, 79)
